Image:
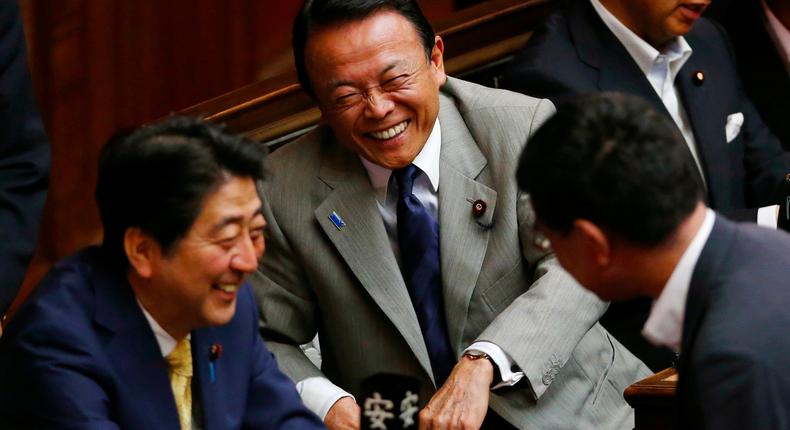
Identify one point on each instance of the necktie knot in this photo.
(404, 177)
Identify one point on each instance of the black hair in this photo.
(157, 177)
(615, 161)
(316, 14)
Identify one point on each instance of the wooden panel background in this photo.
(103, 65)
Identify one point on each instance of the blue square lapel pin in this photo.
(337, 220)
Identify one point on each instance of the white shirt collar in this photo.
(677, 51)
(427, 160)
(778, 33)
(664, 326)
(166, 342)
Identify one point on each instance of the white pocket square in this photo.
(733, 127)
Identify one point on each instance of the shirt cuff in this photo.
(766, 216)
(319, 394)
(508, 370)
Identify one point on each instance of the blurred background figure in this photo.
(620, 203)
(24, 157)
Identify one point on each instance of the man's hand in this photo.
(462, 402)
(343, 415)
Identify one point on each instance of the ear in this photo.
(437, 60)
(594, 241)
(141, 250)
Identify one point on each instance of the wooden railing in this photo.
(479, 42)
(653, 400)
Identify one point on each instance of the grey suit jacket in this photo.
(345, 283)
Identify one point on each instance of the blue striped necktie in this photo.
(418, 240)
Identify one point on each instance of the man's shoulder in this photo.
(58, 319)
(474, 99)
(69, 285)
(710, 41)
(302, 150)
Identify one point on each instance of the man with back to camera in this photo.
(683, 65)
(620, 203)
(405, 246)
(155, 329)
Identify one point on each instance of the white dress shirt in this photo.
(779, 34)
(318, 393)
(664, 326)
(661, 68)
(166, 342)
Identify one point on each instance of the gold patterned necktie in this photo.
(180, 361)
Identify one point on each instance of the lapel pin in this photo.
(336, 220)
(478, 210)
(215, 352)
(698, 78)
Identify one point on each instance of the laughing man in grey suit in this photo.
(339, 261)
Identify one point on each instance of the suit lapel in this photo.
(600, 49)
(212, 398)
(706, 124)
(364, 244)
(706, 270)
(132, 349)
(463, 238)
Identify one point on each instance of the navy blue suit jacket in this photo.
(81, 354)
(575, 52)
(24, 157)
(735, 352)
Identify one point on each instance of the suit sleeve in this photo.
(555, 312)
(287, 317)
(273, 402)
(24, 157)
(50, 380)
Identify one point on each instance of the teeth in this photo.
(228, 288)
(391, 132)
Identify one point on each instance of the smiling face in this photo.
(657, 21)
(375, 87)
(195, 283)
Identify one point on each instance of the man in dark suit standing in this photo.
(155, 329)
(662, 51)
(620, 203)
(24, 157)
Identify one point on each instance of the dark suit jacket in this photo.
(24, 157)
(735, 352)
(574, 51)
(765, 78)
(81, 354)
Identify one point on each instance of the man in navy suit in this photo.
(155, 329)
(622, 207)
(24, 157)
(662, 51)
